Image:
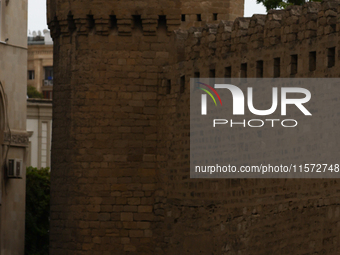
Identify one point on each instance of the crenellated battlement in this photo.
(113, 24)
(296, 23)
(300, 41)
(123, 17)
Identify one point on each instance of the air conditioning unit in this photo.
(48, 82)
(14, 169)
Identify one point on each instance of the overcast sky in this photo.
(37, 13)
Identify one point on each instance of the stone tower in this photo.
(108, 189)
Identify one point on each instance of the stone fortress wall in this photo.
(231, 216)
(120, 153)
(300, 41)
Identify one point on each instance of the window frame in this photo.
(48, 68)
(30, 72)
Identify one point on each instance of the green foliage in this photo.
(37, 211)
(274, 4)
(32, 92)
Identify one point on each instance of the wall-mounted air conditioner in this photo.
(14, 169)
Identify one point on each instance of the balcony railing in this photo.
(48, 82)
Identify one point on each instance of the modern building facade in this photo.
(40, 63)
(13, 135)
(39, 128)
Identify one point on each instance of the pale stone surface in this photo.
(13, 76)
(39, 128)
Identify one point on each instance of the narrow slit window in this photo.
(259, 69)
(71, 24)
(277, 67)
(182, 84)
(162, 23)
(227, 72)
(90, 22)
(331, 57)
(137, 22)
(244, 68)
(212, 73)
(312, 61)
(183, 17)
(293, 64)
(113, 22)
(215, 16)
(199, 17)
(168, 86)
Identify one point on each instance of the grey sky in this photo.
(251, 7)
(37, 13)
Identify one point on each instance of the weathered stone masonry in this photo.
(120, 154)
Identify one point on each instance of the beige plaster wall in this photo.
(13, 76)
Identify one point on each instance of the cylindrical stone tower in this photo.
(107, 195)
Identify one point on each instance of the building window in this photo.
(331, 57)
(48, 73)
(212, 73)
(44, 144)
(259, 69)
(293, 64)
(227, 72)
(312, 61)
(244, 70)
(48, 81)
(199, 17)
(168, 86)
(162, 23)
(113, 22)
(90, 22)
(182, 84)
(47, 94)
(183, 17)
(214, 16)
(277, 67)
(137, 22)
(31, 75)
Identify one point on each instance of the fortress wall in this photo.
(120, 153)
(280, 34)
(105, 137)
(248, 216)
(108, 56)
